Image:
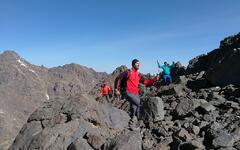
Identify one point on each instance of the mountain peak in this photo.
(10, 54)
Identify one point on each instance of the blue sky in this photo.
(103, 34)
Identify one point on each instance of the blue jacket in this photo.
(166, 69)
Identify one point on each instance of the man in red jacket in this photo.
(105, 91)
(132, 80)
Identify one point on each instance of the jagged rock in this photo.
(197, 64)
(237, 145)
(80, 144)
(202, 94)
(181, 80)
(148, 140)
(185, 106)
(206, 107)
(176, 90)
(198, 84)
(215, 99)
(212, 116)
(195, 144)
(232, 105)
(195, 130)
(227, 148)
(128, 141)
(222, 139)
(153, 109)
(184, 135)
(231, 93)
(217, 62)
(236, 134)
(95, 140)
(63, 121)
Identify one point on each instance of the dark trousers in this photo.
(135, 104)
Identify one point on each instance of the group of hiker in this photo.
(126, 85)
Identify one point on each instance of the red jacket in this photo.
(133, 78)
(105, 90)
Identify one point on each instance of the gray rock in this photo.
(80, 144)
(62, 121)
(197, 64)
(207, 107)
(237, 144)
(172, 89)
(185, 106)
(183, 134)
(128, 141)
(216, 99)
(222, 139)
(153, 109)
(210, 117)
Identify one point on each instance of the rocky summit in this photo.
(199, 110)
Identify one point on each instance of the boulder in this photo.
(152, 109)
(59, 123)
(126, 141)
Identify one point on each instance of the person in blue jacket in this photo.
(166, 72)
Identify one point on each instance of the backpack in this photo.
(123, 81)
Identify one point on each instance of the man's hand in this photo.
(117, 92)
(156, 78)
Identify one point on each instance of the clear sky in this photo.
(103, 34)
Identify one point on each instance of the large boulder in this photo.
(186, 105)
(153, 109)
(62, 123)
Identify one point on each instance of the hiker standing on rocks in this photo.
(105, 91)
(166, 72)
(132, 78)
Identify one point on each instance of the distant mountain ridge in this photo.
(24, 87)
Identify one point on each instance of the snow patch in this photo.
(24, 65)
(47, 96)
(21, 63)
(1, 111)
(32, 70)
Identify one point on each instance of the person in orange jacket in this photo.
(105, 91)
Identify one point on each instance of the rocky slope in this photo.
(75, 123)
(194, 112)
(24, 87)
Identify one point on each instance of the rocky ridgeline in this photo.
(221, 65)
(194, 112)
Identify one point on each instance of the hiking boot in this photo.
(134, 124)
(133, 119)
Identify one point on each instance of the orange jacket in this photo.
(105, 90)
